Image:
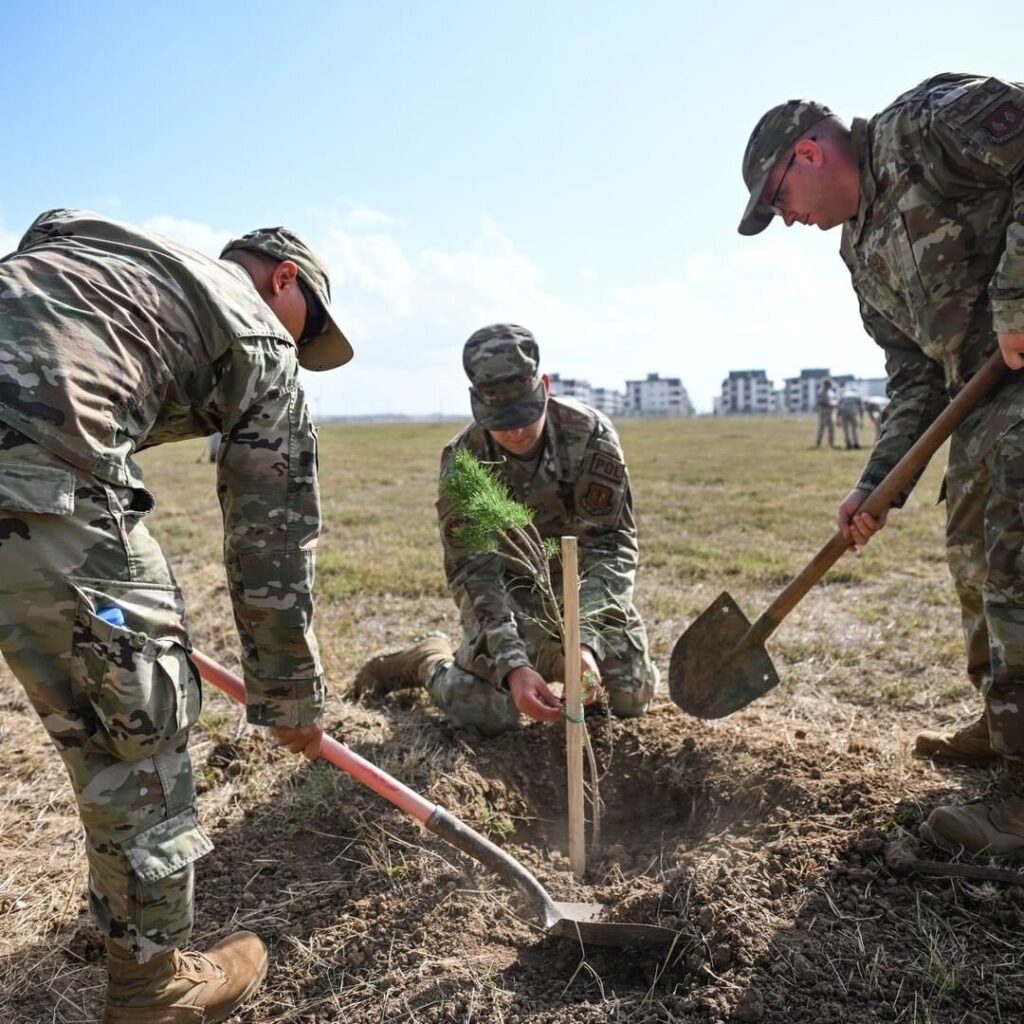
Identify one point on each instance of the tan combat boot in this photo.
(969, 744)
(993, 825)
(401, 669)
(184, 987)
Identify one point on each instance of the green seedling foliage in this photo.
(483, 501)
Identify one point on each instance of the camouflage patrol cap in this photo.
(773, 135)
(507, 391)
(330, 348)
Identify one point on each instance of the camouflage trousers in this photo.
(826, 423)
(467, 697)
(117, 700)
(985, 548)
(851, 428)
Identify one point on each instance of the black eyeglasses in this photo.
(773, 203)
(316, 315)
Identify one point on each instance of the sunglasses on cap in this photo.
(316, 315)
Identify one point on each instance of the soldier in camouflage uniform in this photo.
(826, 413)
(851, 415)
(113, 340)
(930, 196)
(563, 460)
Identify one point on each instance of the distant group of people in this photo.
(850, 407)
(96, 366)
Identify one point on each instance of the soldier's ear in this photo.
(810, 151)
(545, 379)
(284, 274)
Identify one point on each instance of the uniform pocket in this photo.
(167, 847)
(28, 488)
(136, 677)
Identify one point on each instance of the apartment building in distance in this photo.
(654, 396)
(657, 396)
(752, 392)
(746, 392)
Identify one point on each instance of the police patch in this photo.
(1006, 121)
(610, 469)
(598, 499)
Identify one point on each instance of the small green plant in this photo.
(493, 521)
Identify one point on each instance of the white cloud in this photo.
(776, 306)
(366, 217)
(780, 304)
(189, 232)
(8, 240)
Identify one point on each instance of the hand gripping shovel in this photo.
(580, 921)
(719, 664)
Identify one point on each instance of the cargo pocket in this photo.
(136, 677)
(167, 847)
(44, 489)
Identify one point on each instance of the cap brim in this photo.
(328, 350)
(757, 216)
(509, 415)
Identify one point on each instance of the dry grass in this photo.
(746, 828)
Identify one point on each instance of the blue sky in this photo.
(570, 166)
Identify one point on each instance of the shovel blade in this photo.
(582, 921)
(715, 668)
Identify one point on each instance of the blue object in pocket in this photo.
(111, 614)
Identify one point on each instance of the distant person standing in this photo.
(212, 446)
(875, 407)
(826, 413)
(851, 415)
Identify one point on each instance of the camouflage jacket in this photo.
(112, 340)
(580, 487)
(936, 251)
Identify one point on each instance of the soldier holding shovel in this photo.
(113, 340)
(930, 197)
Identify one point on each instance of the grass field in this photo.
(759, 837)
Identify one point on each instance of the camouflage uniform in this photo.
(936, 254)
(578, 485)
(851, 415)
(112, 340)
(826, 414)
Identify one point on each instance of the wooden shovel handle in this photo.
(338, 754)
(985, 380)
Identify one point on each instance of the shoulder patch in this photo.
(598, 499)
(1005, 122)
(971, 100)
(609, 468)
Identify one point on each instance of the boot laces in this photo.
(193, 964)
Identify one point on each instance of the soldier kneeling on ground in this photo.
(563, 460)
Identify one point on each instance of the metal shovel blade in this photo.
(582, 921)
(716, 667)
(579, 921)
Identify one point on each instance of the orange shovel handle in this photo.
(330, 749)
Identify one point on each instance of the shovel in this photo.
(719, 664)
(580, 921)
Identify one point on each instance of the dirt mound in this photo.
(763, 848)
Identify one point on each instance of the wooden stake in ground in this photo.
(573, 705)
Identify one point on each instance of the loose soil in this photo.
(760, 839)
